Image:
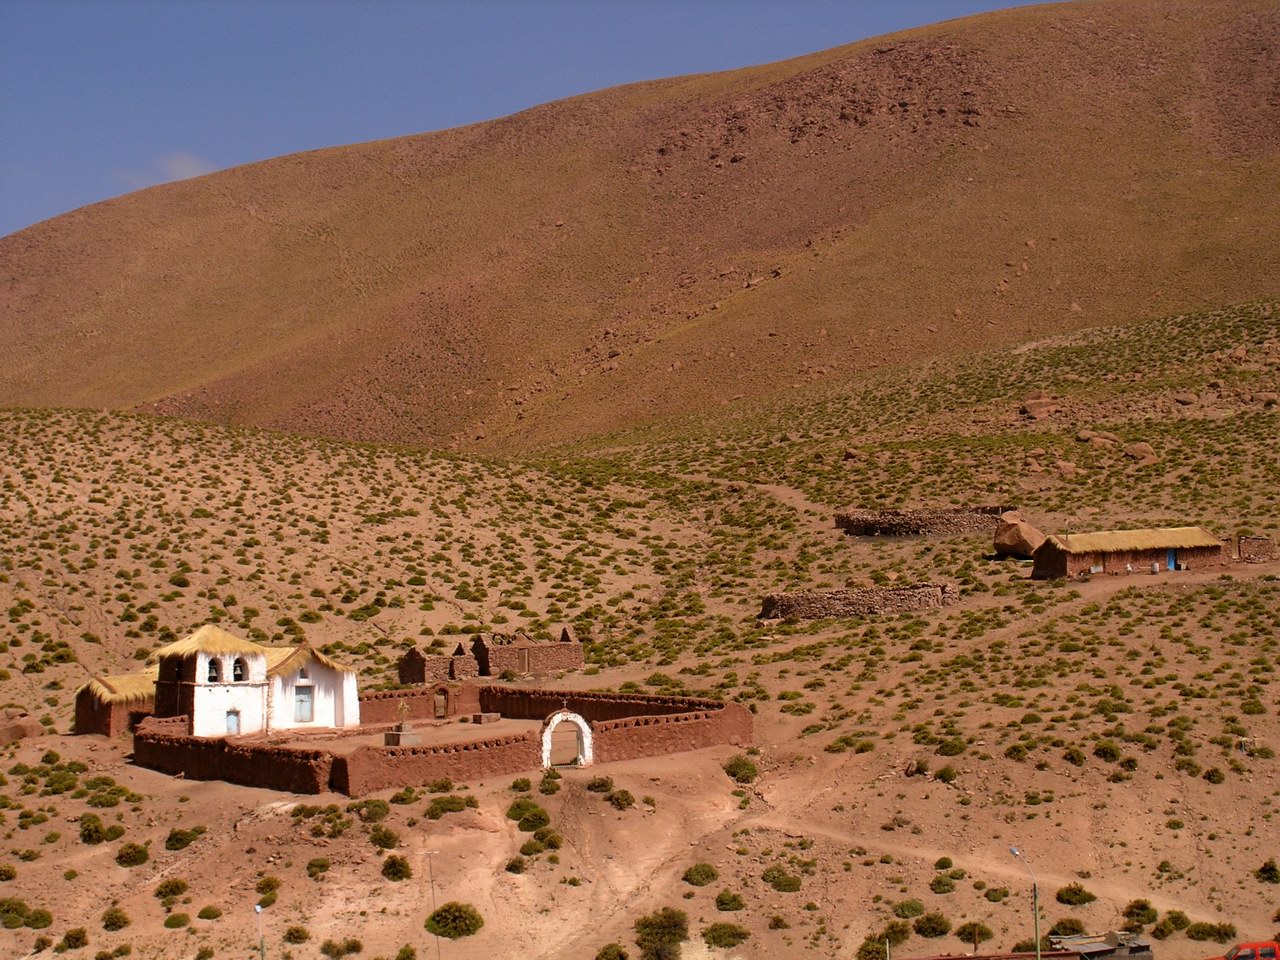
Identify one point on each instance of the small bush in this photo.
(1067, 927)
(612, 951)
(780, 880)
(728, 901)
(209, 912)
(600, 784)
(175, 921)
(77, 938)
(621, 799)
(515, 865)
(173, 887)
(317, 867)
(181, 839)
(1140, 911)
(932, 925)
(113, 919)
(521, 785)
(1268, 872)
(1074, 895)
(701, 874)
(741, 770)
(942, 884)
(455, 920)
(1214, 775)
(384, 838)
(1220, 932)
(336, 949)
(661, 931)
(132, 855)
(974, 932)
(725, 935)
(996, 894)
(908, 909)
(7, 872)
(396, 868)
(297, 935)
(943, 863)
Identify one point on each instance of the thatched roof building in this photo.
(1127, 551)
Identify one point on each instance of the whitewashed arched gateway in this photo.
(585, 750)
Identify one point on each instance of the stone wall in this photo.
(1256, 549)
(251, 765)
(907, 523)
(369, 769)
(542, 658)
(865, 602)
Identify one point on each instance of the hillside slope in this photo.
(593, 263)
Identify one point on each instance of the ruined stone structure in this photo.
(609, 727)
(1120, 552)
(1255, 549)
(942, 521)
(866, 602)
(492, 655)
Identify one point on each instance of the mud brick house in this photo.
(1127, 551)
(115, 705)
(493, 655)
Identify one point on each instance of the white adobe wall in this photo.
(334, 702)
(212, 701)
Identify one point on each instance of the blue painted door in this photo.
(1173, 560)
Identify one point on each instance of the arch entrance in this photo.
(566, 741)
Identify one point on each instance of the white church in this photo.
(228, 686)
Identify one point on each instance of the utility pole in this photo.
(262, 943)
(1035, 895)
(431, 873)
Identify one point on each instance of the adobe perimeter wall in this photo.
(369, 769)
(251, 765)
(383, 706)
(865, 602)
(655, 736)
(908, 523)
(529, 704)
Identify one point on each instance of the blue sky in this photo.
(101, 97)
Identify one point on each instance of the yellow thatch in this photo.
(210, 639)
(125, 688)
(1115, 541)
(283, 660)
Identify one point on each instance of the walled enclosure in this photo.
(622, 727)
(1255, 549)
(867, 602)
(108, 718)
(908, 523)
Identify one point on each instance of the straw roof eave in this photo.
(1117, 541)
(209, 639)
(124, 689)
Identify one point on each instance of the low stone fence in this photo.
(866, 602)
(907, 523)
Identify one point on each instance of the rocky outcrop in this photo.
(1016, 537)
(866, 602)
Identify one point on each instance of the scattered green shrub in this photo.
(701, 874)
(454, 920)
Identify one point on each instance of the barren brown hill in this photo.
(593, 263)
